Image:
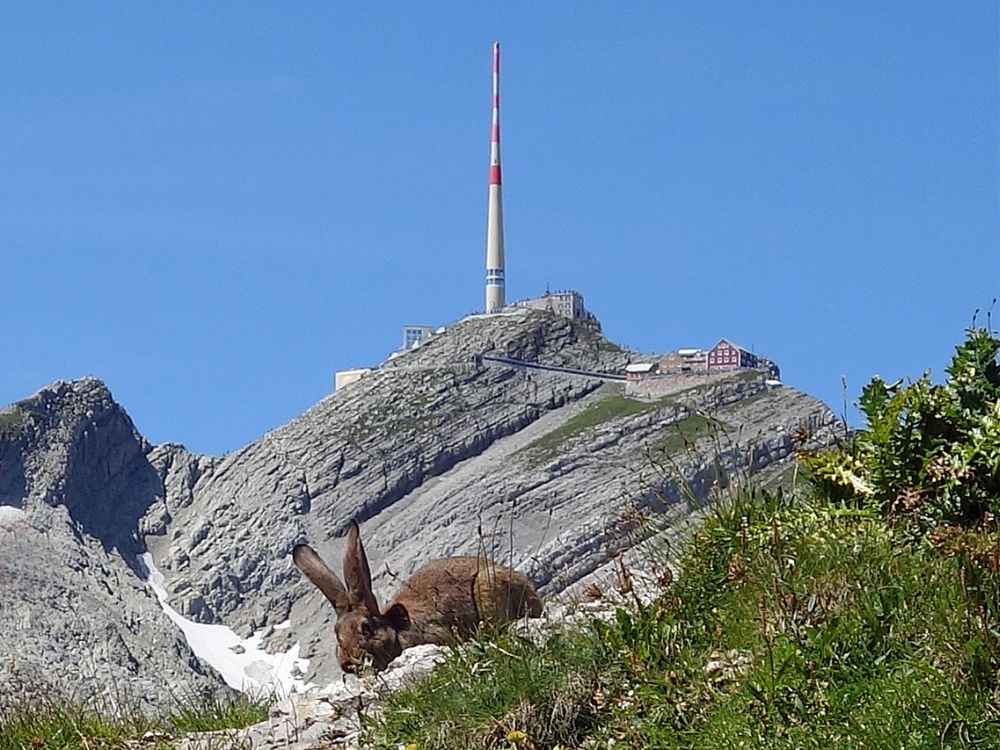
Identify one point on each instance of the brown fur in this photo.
(444, 601)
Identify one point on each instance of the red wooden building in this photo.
(729, 356)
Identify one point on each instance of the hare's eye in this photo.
(366, 628)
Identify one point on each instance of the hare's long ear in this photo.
(357, 574)
(326, 580)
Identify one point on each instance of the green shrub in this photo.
(928, 452)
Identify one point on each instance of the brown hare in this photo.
(444, 601)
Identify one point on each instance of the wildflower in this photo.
(516, 737)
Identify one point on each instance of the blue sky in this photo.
(214, 207)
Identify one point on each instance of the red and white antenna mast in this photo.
(496, 296)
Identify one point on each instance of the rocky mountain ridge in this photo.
(74, 610)
(436, 452)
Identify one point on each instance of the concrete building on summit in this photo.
(569, 304)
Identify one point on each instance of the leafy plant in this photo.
(929, 451)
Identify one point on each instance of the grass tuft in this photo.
(501, 692)
(55, 723)
(36, 719)
(209, 713)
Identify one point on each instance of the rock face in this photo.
(443, 450)
(74, 612)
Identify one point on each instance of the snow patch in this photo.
(9, 516)
(243, 664)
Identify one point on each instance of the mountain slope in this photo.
(443, 450)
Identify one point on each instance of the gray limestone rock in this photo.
(76, 616)
(452, 448)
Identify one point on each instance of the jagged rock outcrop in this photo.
(447, 449)
(72, 446)
(74, 612)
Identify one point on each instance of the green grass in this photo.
(54, 724)
(794, 624)
(488, 693)
(206, 714)
(841, 634)
(606, 410)
(39, 720)
(679, 435)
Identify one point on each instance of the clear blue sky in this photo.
(214, 206)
